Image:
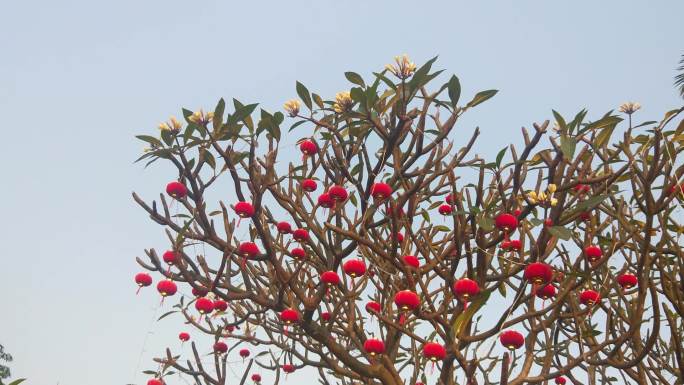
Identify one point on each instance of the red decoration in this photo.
(204, 305)
(446, 209)
(220, 305)
(411, 261)
(167, 288)
(450, 199)
(325, 316)
(300, 235)
(512, 339)
(373, 307)
(338, 193)
(515, 245)
(560, 380)
(309, 185)
(354, 267)
(256, 378)
(244, 209)
(546, 292)
(581, 188)
(434, 351)
(155, 381)
(374, 346)
(589, 297)
(288, 368)
(183, 336)
(506, 222)
(170, 257)
(244, 353)
(406, 300)
(284, 228)
(399, 237)
(325, 200)
(142, 280)
(220, 347)
(380, 191)
(627, 280)
(298, 253)
(330, 278)
(465, 289)
(308, 147)
(248, 249)
(289, 317)
(538, 273)
(593, 253)
(199, 291)
(176, 190)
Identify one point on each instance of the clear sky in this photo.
(78, 79)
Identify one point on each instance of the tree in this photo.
(389, 251)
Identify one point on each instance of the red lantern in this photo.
(446, 209)
(244, 209)
(183, 336)
(374, 346)
(289, 317)
(373, 307)
(506, 245)
(308, 147)
(380, 191)
(256, 378)
(247, 250)
(325, 316)
(354, 268)
(399, 237)
(546, 292)
(220, 347)
(284, 228)
(300, 235)
(176, 190)
(515, 245)
(220, 305)
(593, 253)
(627, 280)
(406, 301)
(155, 381)
(560, 380)
(326, 201)
(506, 222)
(199, 291)
(166, 288)
(244, 353)
(338, 193)
(170, 257)
(581, 188)
(465, 289)
(512, 339)
(298, 253)
(142, 280)
(288, 368)
(434, 351)
(330, 279)
(309, 185)
(204, 305)
(538, 273)
(450, 199)
(589, 297)
(411, 261)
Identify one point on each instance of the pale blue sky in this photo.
(78, 79)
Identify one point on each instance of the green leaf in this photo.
(568, 145)
(318, 100)
(603, 136)
(167, 137)
(590, 203)
(17, 381)
(606, 121)
(481, 97)
(441, 228)
(454, 90)
(486, 223)
(500, 156)
(560, 232)
(218, 114)
(385, 80)
(561, 122)
(150, 139)
(304, 94)
(467, 315)
(168, 313)
(355, 78)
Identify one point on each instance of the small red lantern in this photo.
(244, 209)
(380, 191)
(166, 288)
(256, 378)
(399, 237)
(373, 307)
(199, 291)
(155, 381)
(546, 292)
(627, 280)
(538, 273)
(560, 380)
(330, 279)
(142, 280)
(374, 346)
(512, 339)
(220, 305)
(247, 250)
(589, 297)
(450, 199)
(515, 245)
(300, 235)
(581, 188)
(183, 336)
(411, 261)
(204, 305)
(289, 317)
(406, 301)
(434, 352)
(308, 147)
(506, 222)
(593, 253)
(325, 316)
(284, 228)
(288, 368)
(326, 201)
(244, 353)
(170, 257)
(354, 267)
(220, 347)
(338, 193)
(298, 253)
(176, 190)
(446, 209)
(465, 289)
(309, 185)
